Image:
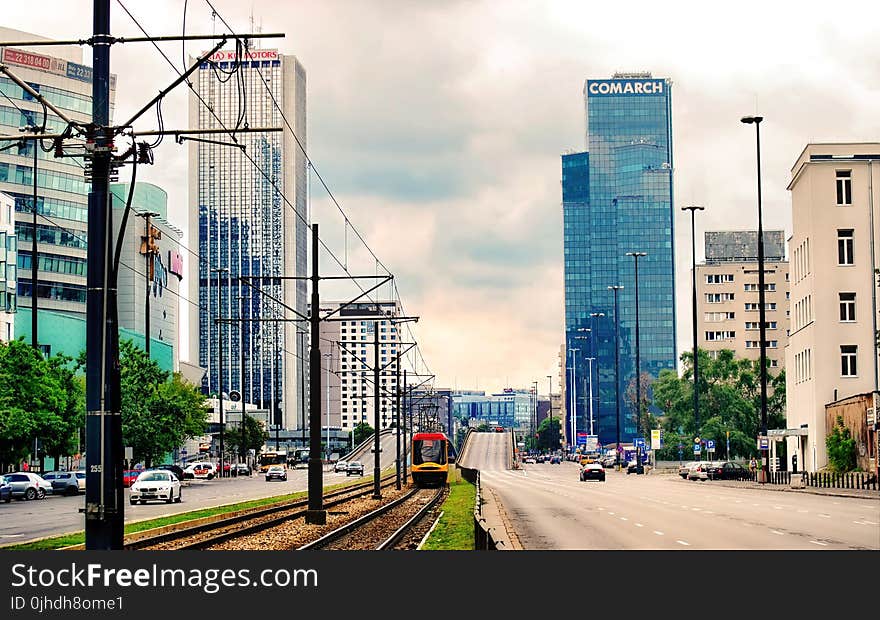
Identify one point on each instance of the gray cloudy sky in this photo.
(438, 126)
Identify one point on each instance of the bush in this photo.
(841, 448)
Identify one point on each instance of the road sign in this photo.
(710, 445)
(763, 443)
(183, 451)
(696, 448)
(696, 440)
(656, 439)
(640, 442)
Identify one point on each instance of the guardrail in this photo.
(825, 480)
(483, 539)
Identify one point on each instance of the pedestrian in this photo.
(753, 464)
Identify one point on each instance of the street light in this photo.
(534, 425)
(241, 305)
(693, 209)
(636, 256)
(219, 322)
(616, 288)
(328, 356)
(594, 351)
(589, 372)
(756, 120)
(573, 400)
(550, 425)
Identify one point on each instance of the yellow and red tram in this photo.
(431, 454)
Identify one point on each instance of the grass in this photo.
(455, 530)
(78, 538)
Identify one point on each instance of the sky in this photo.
(438, 127)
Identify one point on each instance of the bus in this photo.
(274, 457)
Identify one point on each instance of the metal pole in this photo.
(35, 256)
(219, 322)
(327, 356)
(104, 516)
(573, 400)
(397, 421)
(316, 513)
(693, 209)
(550, 424)
(616, 288)
(376, 469)
(590, 360)
(243, 451)
(636, 256)
(148, 274)
(406, 443)
(302, 386)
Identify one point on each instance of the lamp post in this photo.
(328, 356)
(616, 288)
(594, 352)
(636, 256)
(219, 321)
(550, 425)
(573, 424)
(243, 451)
(756, 120)
(693, 209)
(534, 425)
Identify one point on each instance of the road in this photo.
(551, 509)
(22, 521)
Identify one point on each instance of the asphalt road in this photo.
(22, 521)
(551, 509)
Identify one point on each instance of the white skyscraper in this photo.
(247, 213)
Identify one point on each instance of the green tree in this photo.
(483, 428)
(361, 432)
(159, 410)
(549, 434)
(255, 436)
(841, 448)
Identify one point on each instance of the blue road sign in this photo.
(696, 448)
(710, 444)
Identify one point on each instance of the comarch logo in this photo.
(625, 87)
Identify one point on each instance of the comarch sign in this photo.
(609, 88)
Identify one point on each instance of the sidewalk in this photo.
(497, 521)
(831, 492)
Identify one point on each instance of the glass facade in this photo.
(617, 198)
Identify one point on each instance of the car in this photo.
(698, 471)
(726, 470)
(177, 470)
(5, 490)
(156, 484)
(340, 466)
(354, 467)
(129, 476)
(555, 460)
(276, 472)
(530, 460)
(28, 485)
(592, 471)
(539, 458)
(683, 470)
(241, 469)
(200, 469)
(634, 467)
(63, 482)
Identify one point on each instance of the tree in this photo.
(648, 420)
(361, 432)
(159, 410)
(549, 434)
(255, 436)
(841, 448)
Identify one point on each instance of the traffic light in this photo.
(149, 246)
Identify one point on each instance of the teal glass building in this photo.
(618, 197)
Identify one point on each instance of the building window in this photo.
(845, 246)
(847, 306)
(848, 360)
(844, 188)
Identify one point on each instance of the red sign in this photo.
(223, 56)
(27, 59)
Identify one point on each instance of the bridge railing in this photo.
(483, 539)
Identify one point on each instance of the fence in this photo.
(483, 539)
(826, 480)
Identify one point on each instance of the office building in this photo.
(8, 268)
(247, 211)
(57, 73)
(727, 296)
(617, 197)
(832, 348)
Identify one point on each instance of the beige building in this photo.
(832, 353)
(728, 310)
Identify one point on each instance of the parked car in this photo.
(340, 466)
(158, 484)
(241, 469)
(555, 460)
(63, 482)
(200, 469)
(177, 470)
(276, 472)
(530, 460)
(683, 469)
(609, 460)
(592, 471)
(698, 471)
(727, 470)
(634, 467)
(28, 485)
(129, 476)
(354, 467)
(5, 490)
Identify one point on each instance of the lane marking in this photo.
(708, 512)
(866, 522)
(819, 542)
(681, 542)
(802, 510)
(658, 533)
(825, 516)
(638, 525)
(624, 519)
(778, 532)
(611, 513)
(778, 507)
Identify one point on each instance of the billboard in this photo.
(629, 88)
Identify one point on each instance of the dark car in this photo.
(726, 470)
(555, 460)
(592, 471)
(63, 482)
(177, 470)
(5, 490)
(241, 469)
(635, 468)
(354, 467)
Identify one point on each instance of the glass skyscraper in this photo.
(617, 198)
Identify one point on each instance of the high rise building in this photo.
(247, 210)
(727, 296)
(58, 74)
(832, 350)
(617, 198)
(8, 268)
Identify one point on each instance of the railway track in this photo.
(390, 526)
(204, 535)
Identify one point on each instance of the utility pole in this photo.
(316, 514)
(376, 469)
(149, 249)
(404, 427)
(241, 306)
(636, 256)
(219, 321)
(35, 256)
(616, 288)
(397, 419)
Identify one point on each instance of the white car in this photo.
(158, 484)
(340, 466)
(200, 469)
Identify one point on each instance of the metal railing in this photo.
(483, 539)
(825, 480)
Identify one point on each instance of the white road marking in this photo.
(600, 508)
(739, 501)
(658, 533)
(10, 535)
(697, 509)
(802, 510)
(709, 512)
(681, 542)
(819, 542)
(825, 516)
(778, 507)
(638, 525)
(866, 522)
(778, 532)
(624, 519)
(611, 513)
